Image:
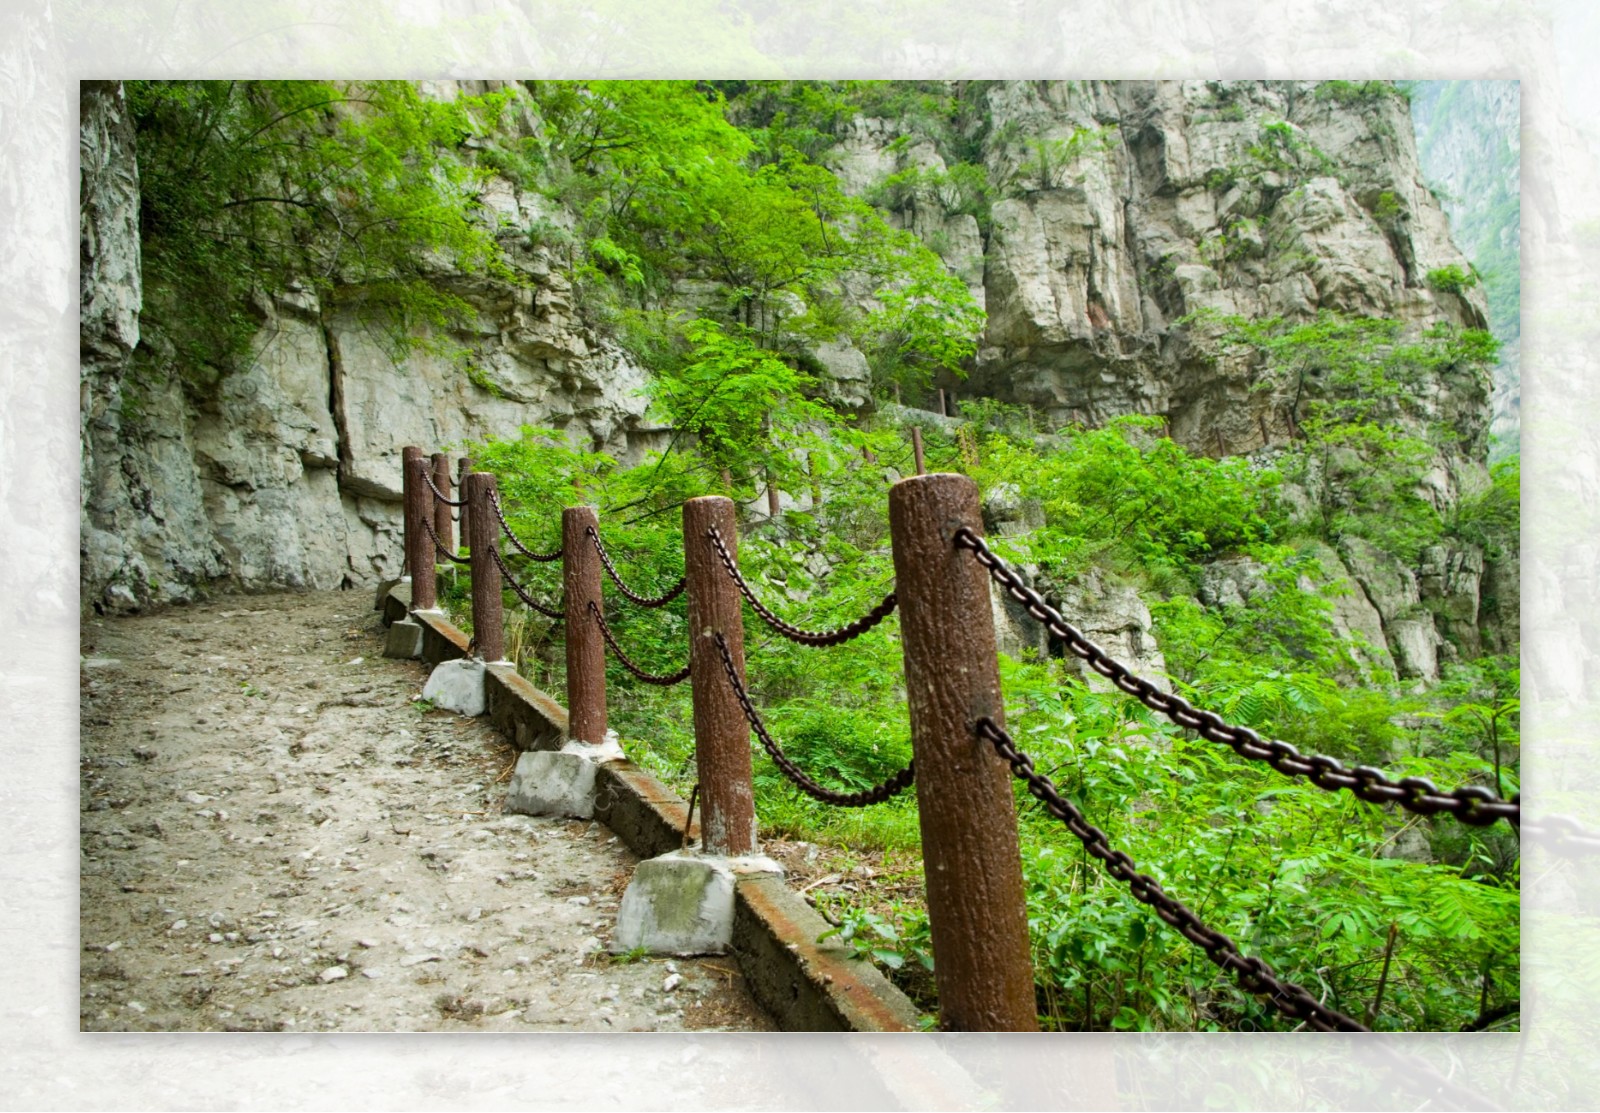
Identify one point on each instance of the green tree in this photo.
(347, 191)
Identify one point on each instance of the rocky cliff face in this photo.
(287, 474)
(1250, 198)
(1123, 207)
(1129, 205)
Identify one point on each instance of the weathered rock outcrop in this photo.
(287, 472)
(1243, 197)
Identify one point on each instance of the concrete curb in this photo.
(804, 985)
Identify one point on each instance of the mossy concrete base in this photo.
(682, 903)
(548, 782)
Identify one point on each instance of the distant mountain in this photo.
(1470, 146)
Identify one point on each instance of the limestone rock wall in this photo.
(1255, 198)
(1242, 197)
(287, 473)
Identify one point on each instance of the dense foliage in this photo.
(1299, 876)
(343, 192)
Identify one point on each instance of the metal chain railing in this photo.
(522, 592)
(438, 494)
(1252, 974)
(611, 570)
(805, 637)
(439, 545)
(663, 680)
(875, 795)
(1471, 804)
(505, 528)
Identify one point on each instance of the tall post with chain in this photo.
(419, 545)
(442, 523)
(488, 621)
(971, 860)
(721, 734)
(586, 650)
(464, 466)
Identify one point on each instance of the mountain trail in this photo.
(276, 836)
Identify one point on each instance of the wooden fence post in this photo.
(971, 860)
(419, 546)
(721, 734)
(586, 652)
(464, 466)
(443, 523)
(488, 619)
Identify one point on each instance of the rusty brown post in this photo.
(443, 524)
(943, 412)
(916, 449)
(488, 619)
(419, 546)
(721, 735)
(772, 496)
(971, 862)
(465, 466)
(586, 652)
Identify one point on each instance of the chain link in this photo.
(805, 637)
(521, 592)
(1471, 804)
(666, 680)
(439, 545)
(642, 600)
(427, 478)
(1252, 974)
(505, 528)
(875, 795)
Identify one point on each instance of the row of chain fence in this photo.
(963, 757)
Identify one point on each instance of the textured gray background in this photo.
(45, 48)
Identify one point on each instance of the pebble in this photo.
(417, 960)
(581, 902)
(195, 798)
(334, 974)
(215, 937)
(178, 925)
(673, 982)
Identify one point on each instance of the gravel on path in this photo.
(275, 835)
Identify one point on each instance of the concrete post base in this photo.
(457, 685)
(404, 639)
(682, 903)
(560, 782)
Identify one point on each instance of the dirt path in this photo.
(275, 837)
